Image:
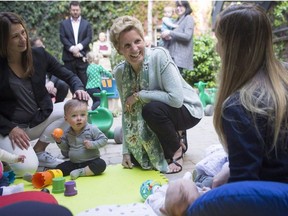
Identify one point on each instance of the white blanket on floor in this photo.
(133, 209)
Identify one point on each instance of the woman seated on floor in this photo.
(251, 110)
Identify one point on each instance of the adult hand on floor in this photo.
(126, 161)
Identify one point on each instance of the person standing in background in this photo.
(76, 35)
(94, 73)
(180, 44)
(103, 47)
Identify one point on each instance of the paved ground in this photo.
(199, 138)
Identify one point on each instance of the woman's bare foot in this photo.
(175, 165)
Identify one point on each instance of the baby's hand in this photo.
(87, 144)
(21, 158)
(57, 139)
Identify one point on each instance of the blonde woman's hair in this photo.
(250, 67)
(124, 24)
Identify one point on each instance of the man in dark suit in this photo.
(75, 35)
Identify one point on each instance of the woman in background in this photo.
(180, 43)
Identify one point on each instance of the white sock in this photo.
(13, 189)
(77, 172)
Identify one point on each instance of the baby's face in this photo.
(168, 13)
(102, 37)
(176, 187)
(77, 117)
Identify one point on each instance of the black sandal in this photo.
(177, 164)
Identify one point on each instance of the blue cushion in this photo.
(247, 198)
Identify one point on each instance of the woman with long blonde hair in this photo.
(251, 107)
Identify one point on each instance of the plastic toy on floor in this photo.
(207, 97)
(70, 188)
(148, 187)
(103, 118)
(10, 175)
(43, 179)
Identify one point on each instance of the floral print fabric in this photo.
(140, 140)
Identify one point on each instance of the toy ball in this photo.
(58, 132)
(45, 190)
(148, 187)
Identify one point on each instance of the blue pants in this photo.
(28, 208)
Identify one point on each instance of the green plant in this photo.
(206, 61)
(43, 17)
(278, 15)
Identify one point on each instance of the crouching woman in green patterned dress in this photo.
(157, 102)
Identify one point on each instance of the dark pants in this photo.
(166, 121)
(78, 67)
(95, 99)
(62, 90)
(29, 208)
(4, 181)
(97, 166)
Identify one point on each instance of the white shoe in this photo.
(47, 160)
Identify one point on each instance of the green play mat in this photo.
(115, 186)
